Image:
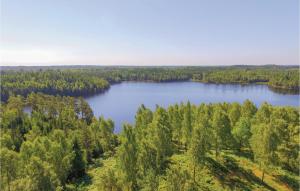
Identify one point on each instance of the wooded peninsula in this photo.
(89, 80)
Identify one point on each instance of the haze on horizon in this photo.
(149, 32)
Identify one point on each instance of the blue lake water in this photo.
(121, 101)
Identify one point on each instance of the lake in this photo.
(121, 101)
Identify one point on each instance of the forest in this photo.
(61, 145)
(83, 81)
(50, 82)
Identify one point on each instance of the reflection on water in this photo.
(121, 101)
(285, 91)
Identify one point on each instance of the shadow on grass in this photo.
(230, 174)
(289, 181)
(245, 153)
(83, 181)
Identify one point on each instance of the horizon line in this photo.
(127, 65)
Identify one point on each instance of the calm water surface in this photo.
(121, 101)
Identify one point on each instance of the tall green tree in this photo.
(60, 155)
(285, 123)
(85, 111)
(106, 134)
(109, 181)
(143, 117)
(128, 157)
(263, 146)
(146, 157)
(86, 140)
(78, 164)
(161, 137)
(242, 132)
(221, 130)
(41, 175)
(200, 143)
(177, 179)
(9, 167)
(176, 122)
(234, 113)
(187, 124)
(248, 109)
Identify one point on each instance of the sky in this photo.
(149, 32)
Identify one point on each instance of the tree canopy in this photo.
(84, 81)
(54, 146)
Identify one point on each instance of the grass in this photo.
(230, 172)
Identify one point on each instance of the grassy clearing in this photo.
(229, 172)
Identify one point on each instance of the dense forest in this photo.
(82, 81)
(61, 145)
(50, 82)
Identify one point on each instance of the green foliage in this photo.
(177, 179)
(200, 144)
(54, 82)
(82, 81)
(150, 181)
(222, 137)
(263, 141)
(78, 164)
(9, 166)
(143, 118)
(57, 145)
(50, 147)
(106, 133)
(109, 182)
(175, 121)
(234, 113)
(187, 125)
(161, 137)
(286, 123)
(242, 132)
(248, 109)
(40, 175)
(128, 157)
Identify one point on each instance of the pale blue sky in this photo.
(149, 32)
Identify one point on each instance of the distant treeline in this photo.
(53, 82)
(78, 81)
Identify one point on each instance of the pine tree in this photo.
(221, 130)
(234, 113)
(242, 132)
(262, 146)
(85, 111)
(187, 124)
(106, 131)
(86, 140)
(41, 175)
(176, 122)
(200, 143)
(78, 162)
(177, 179)
(128, 157)
(248, 109)
(162, 136)
(9, 166)
(109, 181)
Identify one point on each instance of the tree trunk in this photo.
(194, 172)
(8, 180)
(263, 175)
(240, 146)
(217, 150)
(217, 153)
